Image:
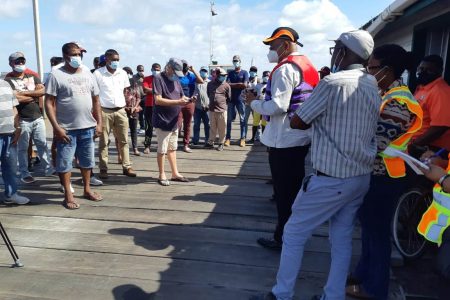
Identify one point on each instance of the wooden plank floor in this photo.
(188, 241)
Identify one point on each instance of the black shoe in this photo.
(316, 297)
(268, 296)
(270, 243)
(209, 146)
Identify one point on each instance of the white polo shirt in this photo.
(111, 87)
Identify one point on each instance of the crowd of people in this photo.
(344, 122)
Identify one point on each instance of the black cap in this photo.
(285, 33)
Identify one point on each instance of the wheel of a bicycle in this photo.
(408, 214)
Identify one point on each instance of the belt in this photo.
(318, 173)
(113, 108)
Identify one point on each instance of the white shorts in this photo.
(167, 140)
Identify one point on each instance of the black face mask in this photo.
(425, 78)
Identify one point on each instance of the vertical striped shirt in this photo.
(7, 103)
(343, 111)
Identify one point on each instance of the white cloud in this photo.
(102, 12)
(13, 8)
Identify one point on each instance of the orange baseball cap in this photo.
(285, 33)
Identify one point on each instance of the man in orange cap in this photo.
(290, 83)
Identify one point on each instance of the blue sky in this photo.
(145, 31)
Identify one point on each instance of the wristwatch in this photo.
(443, 178)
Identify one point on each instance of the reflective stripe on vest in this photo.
(395, 166)
(437, 217)
(309, 80)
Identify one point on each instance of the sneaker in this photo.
(147, 150)
(141, 131)
(220, 147)
(95, 181)
(242, 143)
(209, 145)
(28, 179)
(51, 173)
(270, 243)
(61, 189)
(187, 149)
(16, 199)
(227, 143)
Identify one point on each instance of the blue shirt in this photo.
(237, 77)
(188, 84)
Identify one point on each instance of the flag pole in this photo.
(37, 37)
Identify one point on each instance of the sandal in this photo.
(164, 182)
(93, 196)
(70, 205)
(357, 291)
(180, 179)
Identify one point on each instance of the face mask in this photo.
(221, 78)
(252, 74)
(75, 62)
(265, 79)
(154, 73)
(236, 64)
(425, 78)
(174, 77)
(382, 78)
(114, 65)
(272, 56)
(337, 68)
(141, 74)
(20, 68)
(130, 76)
(203, 74)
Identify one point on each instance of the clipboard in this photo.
(411, 161)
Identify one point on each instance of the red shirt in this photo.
(435, 102)
(148, 83)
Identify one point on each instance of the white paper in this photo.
(411, 161)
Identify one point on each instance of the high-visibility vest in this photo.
(395, 166)
(437, 218)
(310, 79)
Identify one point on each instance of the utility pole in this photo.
(37, 37)
(211, 43)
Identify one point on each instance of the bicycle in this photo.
(408, 213)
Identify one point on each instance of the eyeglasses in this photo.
(334, 48)
(370, 68)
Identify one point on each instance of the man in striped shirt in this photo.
(342, 111)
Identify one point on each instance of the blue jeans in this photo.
(81, 145)
(8, 159)
(247, 113)
(321, 199)
(200, 116)
(232, 107)
(375, 216)
(36, 130)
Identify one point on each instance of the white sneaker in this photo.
(61, 189)
(17, 199)
(95, 181)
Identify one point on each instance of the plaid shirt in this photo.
(132, 98)
(343, 111)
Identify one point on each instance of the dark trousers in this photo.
(141, 114)
(185, 120)
(200, 116)
(148, 113)
(443, 266)
(287, 166)
(375, 216)
(133, 131)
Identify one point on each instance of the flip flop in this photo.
(75, 205)
(93, 196)
(164, 182)
(180, 179)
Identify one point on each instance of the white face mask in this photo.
(20, 68)
(272, 56)
(382, 78)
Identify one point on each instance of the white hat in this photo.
(359, 41)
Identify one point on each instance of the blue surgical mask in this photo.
(336, 68)
(114, 64)
(221, 78)
(236, 64)
(252, 74)
(204, 74)
(75, 62)
(20, 68)
(174, 77)
(265, 79)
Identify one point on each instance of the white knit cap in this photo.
(359, 41)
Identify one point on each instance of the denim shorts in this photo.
(81, 145)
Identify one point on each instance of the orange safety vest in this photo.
(437, 218)
(395, 166)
